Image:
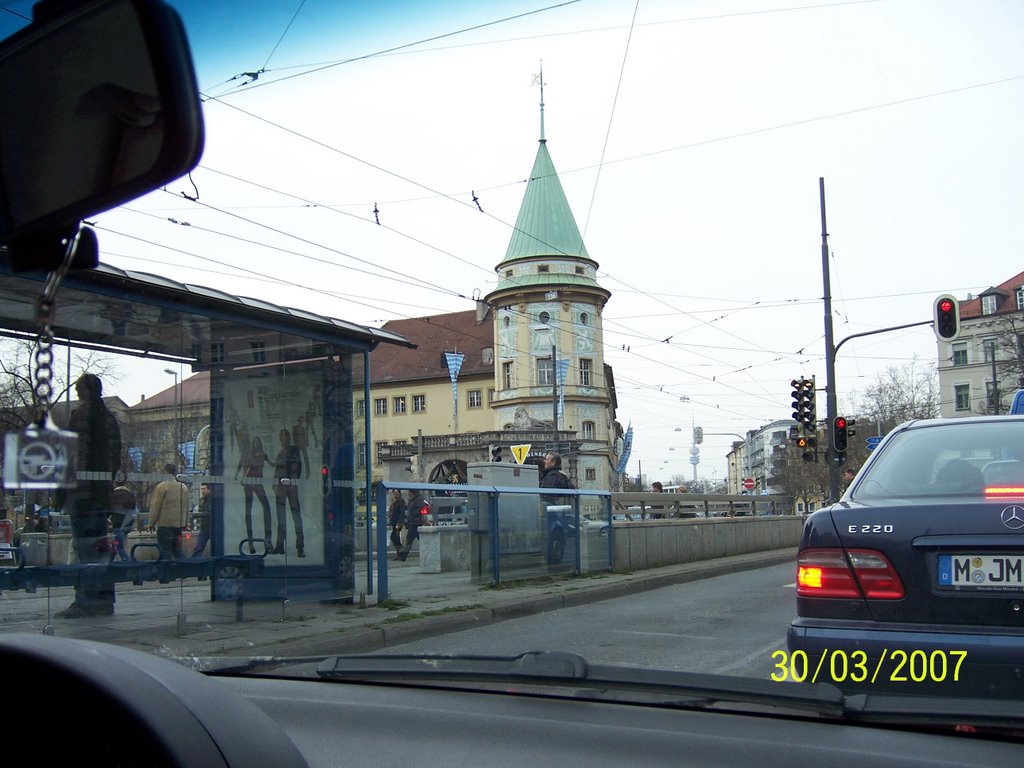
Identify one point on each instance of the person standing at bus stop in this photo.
(89, 502)
(168, 513)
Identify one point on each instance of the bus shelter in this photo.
(274, 381)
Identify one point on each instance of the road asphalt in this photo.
(181, 620)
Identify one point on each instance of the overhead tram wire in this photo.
(378, 308)
(394, 49)
(281, 38)
(295, 253)
(366, 261)
(219, 210)
(611, 118)
(442, 290)
(314, 67)
(336, 210)
(416, 281)
(511, 226)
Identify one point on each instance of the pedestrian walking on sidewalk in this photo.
(415, 511)
(396, 519)
(168, 513)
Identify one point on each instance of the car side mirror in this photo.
(100, 105)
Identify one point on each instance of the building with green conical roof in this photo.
(548, 307)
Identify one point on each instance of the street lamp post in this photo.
(177, 416)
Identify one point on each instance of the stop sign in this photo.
(748, 483)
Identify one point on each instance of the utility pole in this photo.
(995, 383)
(830, 357)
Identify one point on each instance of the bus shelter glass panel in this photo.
(283, 463)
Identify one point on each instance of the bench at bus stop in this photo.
(19, 575)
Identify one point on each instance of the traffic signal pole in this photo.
(830, 356)
(945, 321)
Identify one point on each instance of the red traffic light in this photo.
(840, 435)
(946, 318)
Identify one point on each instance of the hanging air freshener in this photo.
(42, 457)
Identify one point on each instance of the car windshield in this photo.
(946, 460)
(477, 328)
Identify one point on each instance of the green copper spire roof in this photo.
(545, 226)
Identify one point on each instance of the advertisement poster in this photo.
(273, 433)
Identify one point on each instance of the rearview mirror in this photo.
(100, 105)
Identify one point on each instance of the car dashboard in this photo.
(168, 714)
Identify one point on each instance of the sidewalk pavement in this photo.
(181, 620)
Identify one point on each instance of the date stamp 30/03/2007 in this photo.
(889, 666)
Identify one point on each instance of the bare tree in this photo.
(1008, 359)
(805, 481)
(17, 374)
(900, 393)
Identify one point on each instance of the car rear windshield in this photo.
(956, 459)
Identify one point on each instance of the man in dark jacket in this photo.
(89, 503)
(413, 517)
(551, 475)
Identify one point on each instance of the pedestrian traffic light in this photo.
(325, 480)
(494, 453)
(808, 446)
(946, 317)
(810, 449)
(840, 434)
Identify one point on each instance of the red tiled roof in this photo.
(972, 308)
(433, 336)
(194, 389)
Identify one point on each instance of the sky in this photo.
(689, 138)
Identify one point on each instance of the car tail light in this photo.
(1004, 492)
(851, 574)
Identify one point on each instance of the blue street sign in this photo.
(873, 442)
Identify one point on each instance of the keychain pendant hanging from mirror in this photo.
(43, 457)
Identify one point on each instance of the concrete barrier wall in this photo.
(650, 543)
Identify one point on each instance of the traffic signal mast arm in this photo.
(882, 330)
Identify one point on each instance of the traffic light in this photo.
(698, 435)
(325, 480)
(840, 434)
(808, 446)
(947, 317)
(412, 464)
(804, 408)
(494, 453)
(798, 400)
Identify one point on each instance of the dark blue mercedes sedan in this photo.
(914, 579)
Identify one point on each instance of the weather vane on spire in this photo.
(538, 79)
